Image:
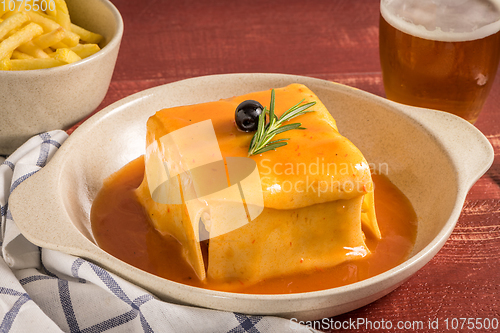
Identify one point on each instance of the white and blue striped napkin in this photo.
(43, 290)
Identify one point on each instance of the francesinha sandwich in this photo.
(257, 186)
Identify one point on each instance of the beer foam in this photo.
(443, 20)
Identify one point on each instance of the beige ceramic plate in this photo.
(433, 157)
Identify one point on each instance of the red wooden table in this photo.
(337, 40)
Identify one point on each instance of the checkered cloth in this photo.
(43, 290)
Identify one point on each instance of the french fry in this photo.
(20, 55)
(39, 39)
(66, 55)
(62, 14)
(30, 64)
(60, 45)
(47, 40)
(17, 8)
(36, 9)
(22, 36)
(20, 7)
(33, 50)
(10, 33)
(13, 22)
(51, 12)
(70, 39)
(85, 35)
(5, 64)
(46, 23)
(8, 14)
(85, 50)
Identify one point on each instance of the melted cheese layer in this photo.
(313, 191)
(281, 242)
(318, 164)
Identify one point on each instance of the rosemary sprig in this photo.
(261, 141)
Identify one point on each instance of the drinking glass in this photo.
(440, 54)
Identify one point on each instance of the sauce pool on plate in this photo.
(121, 227)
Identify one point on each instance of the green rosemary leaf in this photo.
(297, 112)
(260, 131)
(262, 139)
(261, 127)
(270, 147)
(285, 128)
(272, 116)
(293, 107)
(268, 141)
(279, 140)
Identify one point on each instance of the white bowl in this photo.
(35, 101)
(433, 157)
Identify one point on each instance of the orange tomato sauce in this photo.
(121, 227)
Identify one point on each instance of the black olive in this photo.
(247, 115)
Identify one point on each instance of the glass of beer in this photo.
(440, 54)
